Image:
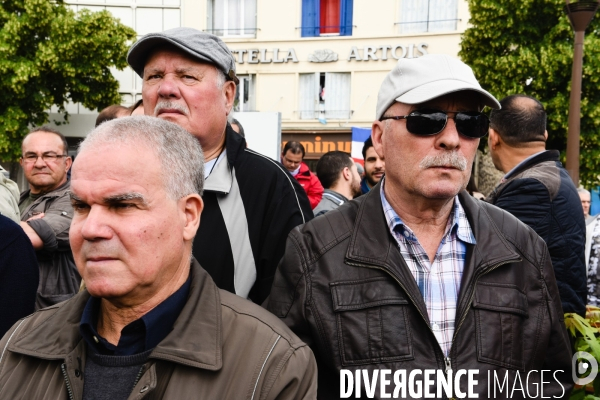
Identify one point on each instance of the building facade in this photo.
(317, 62)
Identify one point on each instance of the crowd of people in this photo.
(171, 261)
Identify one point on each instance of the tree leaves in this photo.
(52, 55)
(527, 47)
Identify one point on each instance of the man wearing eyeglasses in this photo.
(46, 213)
(417, 277)
(539, 192)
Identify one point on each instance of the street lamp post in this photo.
(580, 14)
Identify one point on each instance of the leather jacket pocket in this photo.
(500, 312)
(371, 321)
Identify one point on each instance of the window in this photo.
(428, 15)
(244, 94)
(324, 95)
(326, 17)
(145, 16)
(232, 17)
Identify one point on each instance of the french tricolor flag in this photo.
(359, 135)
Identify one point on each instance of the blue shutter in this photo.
(346, 18)
(310, 18)
(595, 208)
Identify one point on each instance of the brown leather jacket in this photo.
(221, 347)
(344, 288)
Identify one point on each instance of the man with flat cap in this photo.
(251, 201)
(419, 278)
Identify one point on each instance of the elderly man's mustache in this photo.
(169, 105)
(449, 159)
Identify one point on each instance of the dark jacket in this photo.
(59, 278)
(251, 203)
(221, 347)
(542, 195)
(19, 274)
(345, 289)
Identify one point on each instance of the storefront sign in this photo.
(366, 53)
(317, 145)
(259, 56)
(382, 52)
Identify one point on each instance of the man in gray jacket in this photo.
(339, 176)
(46, 213)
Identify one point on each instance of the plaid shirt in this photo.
(439, 282)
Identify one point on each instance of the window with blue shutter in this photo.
(326, 17)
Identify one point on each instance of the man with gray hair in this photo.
(151, 322)
(251, 202)
(586, 201)
(46, 213)
(417, 276)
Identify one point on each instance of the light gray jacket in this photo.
(9, 197)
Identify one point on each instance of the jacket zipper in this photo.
(63, 368)
(447, 360)
(138, 377)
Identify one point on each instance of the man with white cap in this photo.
(417, 275)
(251, 202)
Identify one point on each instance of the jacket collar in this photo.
(371, 244)
(221, 178)
(371, 241)
(548, 155)
(59, 191)
(336, 195)
(196, 338)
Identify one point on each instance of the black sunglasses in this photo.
(471, 124)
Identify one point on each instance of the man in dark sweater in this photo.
(538, 190)
(251, 201)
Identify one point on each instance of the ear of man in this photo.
(377, 132)
(190, 208)
(494, 139)
(229, 94)
(68, 163)
(347, 174)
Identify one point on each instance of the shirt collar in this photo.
(140, 335)
(296, 171)
(458, 222)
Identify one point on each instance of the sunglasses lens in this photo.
(472, 124)
(426, 122)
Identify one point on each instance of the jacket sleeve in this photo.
(290, 294)
(9, 198)
(53, 229)
(19, 275)
(558, 352)
(285, 213)
(314, 191)
(297, 378)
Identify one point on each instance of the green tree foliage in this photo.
(526, 46)
(52, 55)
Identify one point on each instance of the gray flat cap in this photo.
(197, 44)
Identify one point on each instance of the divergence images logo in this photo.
(585, 368)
